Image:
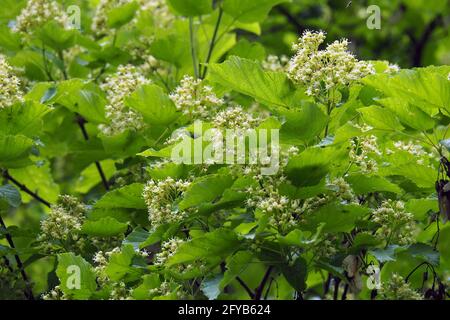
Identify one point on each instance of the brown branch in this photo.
(28, 291)
(246, 288)
(25, 189)
(421, 43)
(291, 19)
(259, 290)
(81, 123)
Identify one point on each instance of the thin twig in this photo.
(213, 43)
(193, 52)
(81, 123)
(28, 291)
(246, 288)
(25, 189)
(259, 290)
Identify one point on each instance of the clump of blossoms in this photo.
(55, 294)
(361, 149)
(342, 190)
(324, 70)
(64, 220)
(37, 13)
(99, 21)
(192, 97)
(283, 212)
(161, 197)
(275, 63)
(396, 225)
(397, 289)
(414, 149)
(10, 91)
(162, 17)
(235, 118)
(118, 87)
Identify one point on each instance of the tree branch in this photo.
(25, 189)
(81, 123)
(28, 291)
(246, 288)
(291, 19)
(421, 43)
(259, 290)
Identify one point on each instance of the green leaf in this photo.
(69, 268)
(24, 118)
(302, 125)
(362, 184)
(121, 15)
(191, 8)
(205, 189)
(296, 273)
(250, 10)
(126, 197)
(409, 114)
(154, 105)
(137, 237)
(104, 227)
(15, 151)
(11, 195)
(39, 179)
(248, 77)
(385, 255)
(421, 207)
(424, 252)
(120, 265)
(337, 217)
(215, 245)
(380, 118)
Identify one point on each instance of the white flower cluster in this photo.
(397, 289)
(392, 69)
(275, 63)
(119, 291)
(324, 70)
(64, 220)
(160, 197)
(55, 294)
(168, 249)
(99, 21)
(159, 10)
(361, 149)
(194, 98)
(283, 211)
(342, 190)
(414, 149)
(10, 91)
(235, 118)
(396, 225)
(118, 87)
(37, 13)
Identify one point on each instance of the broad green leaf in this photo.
(126, 197)
(337, 217)
(90, 177)
(296, 273)
(136, 237)
(10, 195)
(421, 207)
(24, 118)
(302, 125)
(39, 179)
(362, 184)
(121, 15)
(191, 8)
(120, 265)
(15, 151)
(74, 271)
(205, 190)
(154, 105)
(380, 118)
(248, 77)
(409, 114)
(104, 227)
(250, 10)
(215, 245)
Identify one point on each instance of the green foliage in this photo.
(98, 208)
